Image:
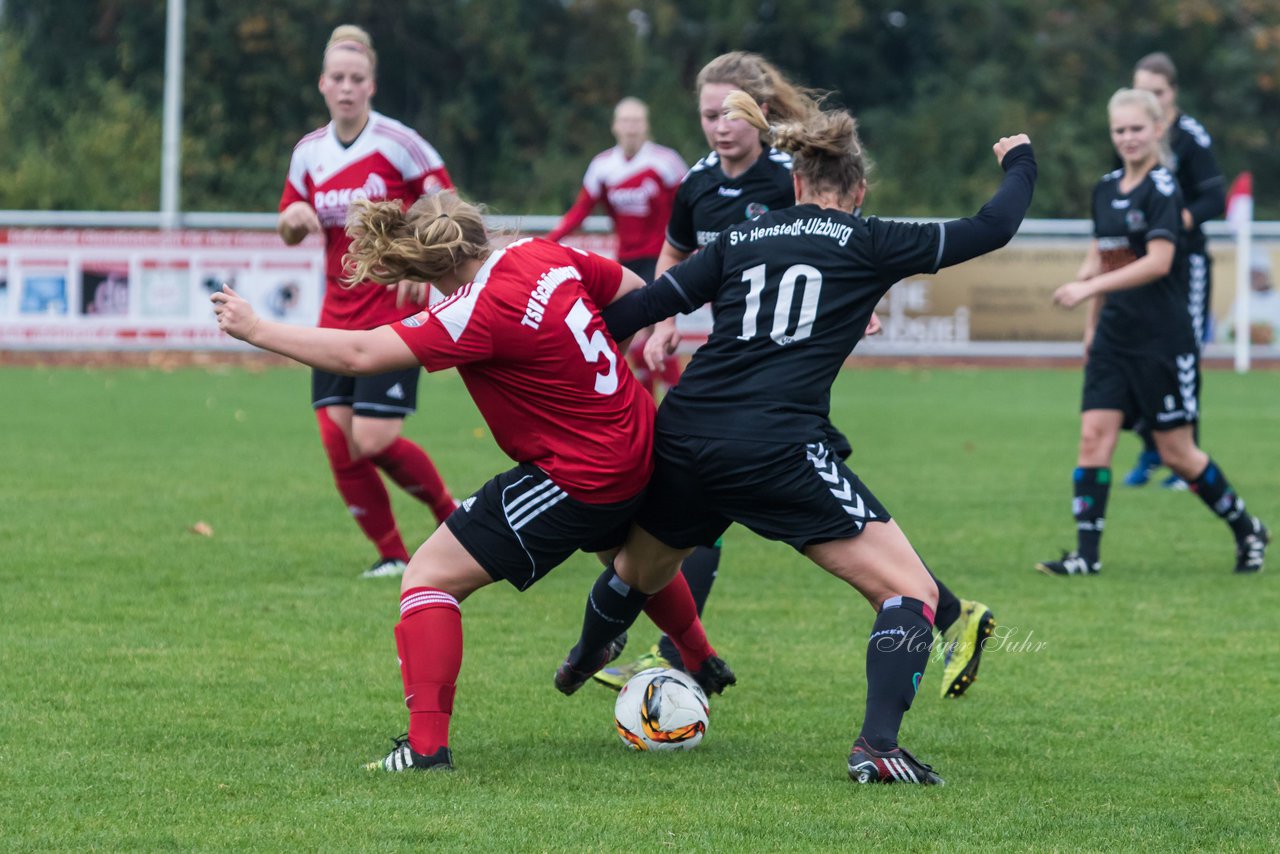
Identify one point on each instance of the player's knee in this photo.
(920, 586)
(650, 574)
(368, 441)
(1095, 444)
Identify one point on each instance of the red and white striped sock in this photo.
(429, 640)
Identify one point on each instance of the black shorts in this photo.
(390, 395)
(642, 267)
(519, 526)
(797, 494)
(1160, 391)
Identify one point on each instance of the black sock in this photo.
(1148, 437)
(897, 653)
(1092, 486)
(612, 607)
(700, 569)
(948, 604)
(1216, 492)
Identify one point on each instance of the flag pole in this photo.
(1240, 215)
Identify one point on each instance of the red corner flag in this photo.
(1240, 201)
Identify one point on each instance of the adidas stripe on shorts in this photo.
(520, 525)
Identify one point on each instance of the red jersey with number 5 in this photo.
(386, 161)
(527, 338)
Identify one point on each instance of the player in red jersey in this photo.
(522, 326)
(361, 154)
(636, 181)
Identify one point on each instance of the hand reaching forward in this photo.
(235, 316)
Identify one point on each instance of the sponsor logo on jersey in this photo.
(729, 192)
(1119, 204)
(417, 320)
(755, 209)
(705, 237)
(332, 205)
(633, 200)
(542, 291)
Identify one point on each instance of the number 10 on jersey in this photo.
(810, 280)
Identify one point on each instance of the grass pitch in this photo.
(163, 690)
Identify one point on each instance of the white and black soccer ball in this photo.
(660, 709)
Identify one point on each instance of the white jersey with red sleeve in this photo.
(637, 193)
(527, 338)
(388, 160)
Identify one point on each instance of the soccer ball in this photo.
(661, 709)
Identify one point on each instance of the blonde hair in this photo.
(424, 243)
(1147, 102)
(756, 76)
(825, 148)
(351, 37)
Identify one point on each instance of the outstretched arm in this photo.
(339, 351)
(678, 287)
(998, 221)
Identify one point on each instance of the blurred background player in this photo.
(742, 177)
(1264, 302)
(636, 181)
(1204, 197)
(361, 154)
(1142, 353)
(522, 326)
(745, 435)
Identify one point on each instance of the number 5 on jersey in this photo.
(594, 347)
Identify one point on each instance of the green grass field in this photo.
(162, 690)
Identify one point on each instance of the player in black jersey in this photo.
(741, 178)
(744, 436)
(1142, 356)
(1204, 198)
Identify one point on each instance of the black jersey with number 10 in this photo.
(792, 292)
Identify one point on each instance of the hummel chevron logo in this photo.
(818, 455)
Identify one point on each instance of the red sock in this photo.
(409, 466)
(429, 640)
(361, 488)
(672, 609)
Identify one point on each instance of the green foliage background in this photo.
(516, 94)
